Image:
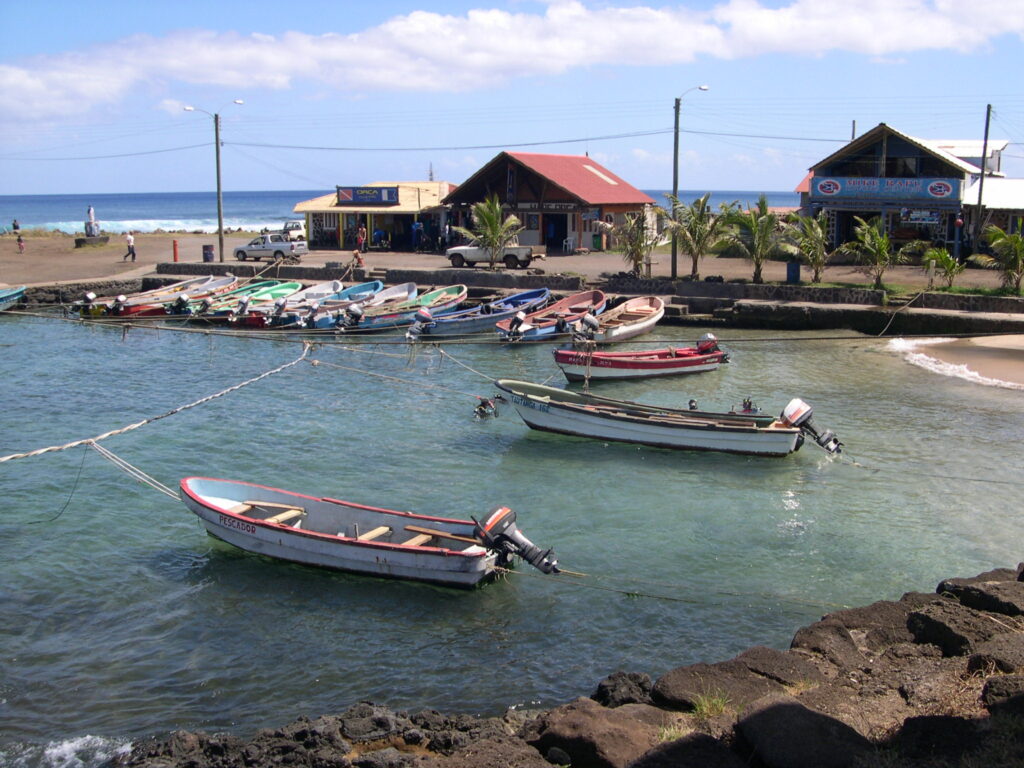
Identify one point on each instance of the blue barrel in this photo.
(793, 272)
(207, 253)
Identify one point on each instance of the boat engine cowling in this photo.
(499, 533)
(707, 343)
(798, 414)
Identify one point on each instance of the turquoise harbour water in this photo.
(122, 619)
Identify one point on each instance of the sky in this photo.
(340, 92)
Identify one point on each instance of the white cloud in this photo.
(430, 51)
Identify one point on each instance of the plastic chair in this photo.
(569, 244)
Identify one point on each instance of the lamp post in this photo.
(675, 171)
(220, 197)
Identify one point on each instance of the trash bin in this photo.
(793, 272)
(596, 241)
(207, 253)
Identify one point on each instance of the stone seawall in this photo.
(929, 679)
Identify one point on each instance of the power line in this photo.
(107, 157)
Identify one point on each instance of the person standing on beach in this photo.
(21, 243)
(130, 239)
(16, 226)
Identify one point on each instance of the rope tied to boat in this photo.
(144, 422)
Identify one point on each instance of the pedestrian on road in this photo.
(130, 239)
(21, 244)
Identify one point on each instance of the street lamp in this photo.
(220, 197)
(675, 171)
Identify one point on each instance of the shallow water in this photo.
(122, 619)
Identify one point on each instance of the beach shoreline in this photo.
(998, 358)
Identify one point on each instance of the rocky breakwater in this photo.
(930, 679)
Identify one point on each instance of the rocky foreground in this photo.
(928, 680)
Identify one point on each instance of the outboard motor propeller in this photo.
(798, 414)
(421, 322)
(500, 534)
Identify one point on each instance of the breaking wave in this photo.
(908, 349)
(80, 752)
(205, 226)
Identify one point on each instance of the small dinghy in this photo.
(633, 317)
(353, 537)
(583, 364)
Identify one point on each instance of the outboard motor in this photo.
(421, 322)
(585, 329)
(707, 344)
(118, 305)
(561, 325)
(514, 334)
(309, 321)
(499, 534)
(353, 314)
(204, 306)
(180, 305)
(279, 306)
(798, 414)
(240, 311)
(337, 286)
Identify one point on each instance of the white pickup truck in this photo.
(272, 246)
(512, 256)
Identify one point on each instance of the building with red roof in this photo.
(558, 198)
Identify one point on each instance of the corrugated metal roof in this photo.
(583, 177)
(413, 197)
(1001, 194)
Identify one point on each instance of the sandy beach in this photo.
(993, 357)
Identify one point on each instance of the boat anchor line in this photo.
(144, 422)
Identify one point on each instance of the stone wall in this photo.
(517, 279)
(267, 271)
(969, 303)
(738, 291)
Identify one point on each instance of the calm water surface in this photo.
(121, 618)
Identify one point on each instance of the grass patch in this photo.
(707, 705)
(673, 732)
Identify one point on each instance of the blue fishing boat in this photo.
(552, 321)
(484, 316)
(11, 296)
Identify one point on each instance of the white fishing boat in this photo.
(585, 415)
(353, 537)
(633, 317)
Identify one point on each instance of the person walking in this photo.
(21, 244)
(130, 239)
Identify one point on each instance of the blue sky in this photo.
(353, 92)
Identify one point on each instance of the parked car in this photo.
(512, 256)
(294, 230)
(271, 246)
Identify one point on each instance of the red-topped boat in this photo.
(580, 364)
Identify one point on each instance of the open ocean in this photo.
(122, 619)
(197, 211)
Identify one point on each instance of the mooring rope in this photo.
(134, 471)
(464, 365)
(144, 422)
(898, 310)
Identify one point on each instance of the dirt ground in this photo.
(50, 259)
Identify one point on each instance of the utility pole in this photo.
(220, 196)
(981, 181)
(675, 186)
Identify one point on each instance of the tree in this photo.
(946, 265)
(697, 229)
(808, 236)
(491, 229)
(874, 249)
(636, 238)
(756, 232)
(1007, 255)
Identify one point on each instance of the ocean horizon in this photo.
(251, 211)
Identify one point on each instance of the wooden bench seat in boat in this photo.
(376, 533)
(418, 540)
(285, 517)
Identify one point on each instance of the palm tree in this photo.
(491, 229)
(636, 239)
(808, 236)
(697, 228)
(874, 249)
(946, 264)
(1008, 256)
(756, 233)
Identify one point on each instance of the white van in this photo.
(294, 230)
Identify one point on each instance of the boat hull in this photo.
(475, 321)
(10, 297)
(579, 366)
(605, 419)
(627, 321)
(212, 501)
(544, 324)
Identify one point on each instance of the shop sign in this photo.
(590, 214)
(559, 206)
(863, 188)
(367, 195)
(914, 216)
